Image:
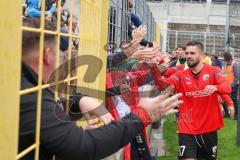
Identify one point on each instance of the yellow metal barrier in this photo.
(10, 57)
(93, 33)
(93, 37)
(158, 34)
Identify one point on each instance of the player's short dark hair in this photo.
(199, 45)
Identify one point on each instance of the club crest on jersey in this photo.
(205, 77)
(188, 80)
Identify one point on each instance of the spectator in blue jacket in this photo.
(34, 9)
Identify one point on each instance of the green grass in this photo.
(227, 148)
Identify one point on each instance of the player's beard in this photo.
(192, 65)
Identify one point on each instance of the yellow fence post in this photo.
(93, 38)
(10, 58)
(158, 34)
(103, 43)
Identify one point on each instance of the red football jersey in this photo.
(200, 112)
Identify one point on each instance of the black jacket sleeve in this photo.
(74, 110)
(63, 138)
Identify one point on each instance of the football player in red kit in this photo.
(200, 115)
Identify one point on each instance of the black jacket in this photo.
(60, 136)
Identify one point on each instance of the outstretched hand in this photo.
(161, 105)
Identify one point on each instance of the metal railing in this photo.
(143, 11)
(213, 42)
(119, 20)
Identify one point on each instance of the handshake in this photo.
(156, 108)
